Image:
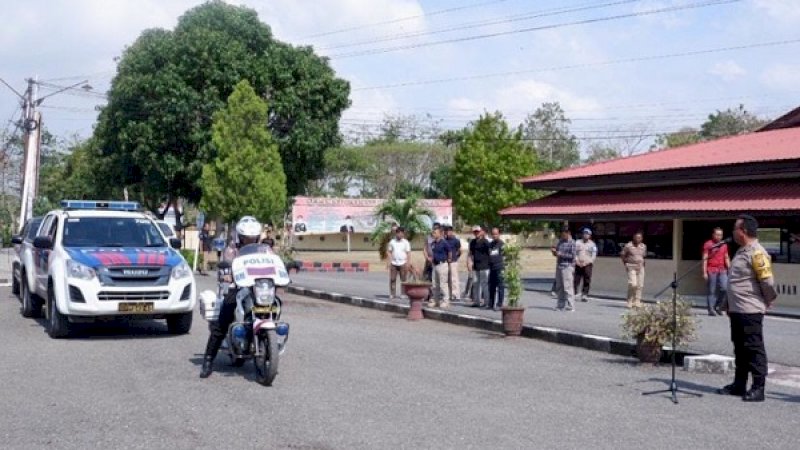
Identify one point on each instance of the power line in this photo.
(536, 28)
(404, 19)
(582, 66)
(467, 26)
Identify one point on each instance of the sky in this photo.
(620, 68)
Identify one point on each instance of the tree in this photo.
(488, 166)
(684, 136)
(601, 152)
(547, 129)
(156, 128)
(247, 177)
(730, 122)
(405, 213)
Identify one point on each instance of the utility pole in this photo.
(31, 121)
(31, 125)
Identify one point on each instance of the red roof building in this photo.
(676, 197)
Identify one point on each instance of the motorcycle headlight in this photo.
(80, 271)
(182, 270)
(264, 291)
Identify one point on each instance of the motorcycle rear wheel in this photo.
(267, 361)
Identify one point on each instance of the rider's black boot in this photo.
(208, 367)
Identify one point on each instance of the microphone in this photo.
(719, 244)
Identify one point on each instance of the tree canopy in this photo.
(156, 128)
(731, 122)
(488, 165)
(547, 129)
(247, 177)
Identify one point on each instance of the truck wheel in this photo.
(180, 323)
(58, 325)
(31, 306)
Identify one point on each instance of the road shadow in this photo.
(114, 329)
(224, 367)
(492, 335)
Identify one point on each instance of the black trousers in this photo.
(497, 288)
(583, 274)
(219, 328)
(748, 348)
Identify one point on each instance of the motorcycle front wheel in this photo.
(267, 359)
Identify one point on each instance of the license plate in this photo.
(138, 307)
(264, 309)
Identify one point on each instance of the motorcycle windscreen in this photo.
(250, 266)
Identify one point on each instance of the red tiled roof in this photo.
(775, 145)
(777, 196)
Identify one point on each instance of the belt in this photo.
(436, 263)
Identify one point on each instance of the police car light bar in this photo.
(94, 204)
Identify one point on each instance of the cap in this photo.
(586, 230)
(477, 228)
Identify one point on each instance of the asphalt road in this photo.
(601, 317)
(357, 378)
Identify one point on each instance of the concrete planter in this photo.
(513, 319)
(417, 292)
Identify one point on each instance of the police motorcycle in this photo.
(257, 331)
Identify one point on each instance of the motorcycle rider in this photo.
(248, 231)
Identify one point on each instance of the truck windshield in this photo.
(111, 232)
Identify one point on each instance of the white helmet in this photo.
(248, 226)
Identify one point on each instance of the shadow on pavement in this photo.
(224, 367)
(115, 330)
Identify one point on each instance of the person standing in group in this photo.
(564, 251)
(400, 257)
(633, 255)
(268, 239)
(427, 272)
(478, 264)
(585, 254)
(205, 244)
(455, 249)
(497, 282)
(440, 250)
(751, 292)
(716, 262)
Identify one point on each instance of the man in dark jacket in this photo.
(497, 282)
(478, 263)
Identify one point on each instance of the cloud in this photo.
(783, 10)
(784, 77)
(727, 70)
(522, 97)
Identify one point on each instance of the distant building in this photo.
(676, 197)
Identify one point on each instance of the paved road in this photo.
(600, 317)
(356, 378)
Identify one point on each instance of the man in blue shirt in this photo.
(441, 255)
(455, 253)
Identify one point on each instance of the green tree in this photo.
(407, 213)
(731, 122)
(684, 136)
(247, 177)
(600, 152)
(488, 166)
(547, 129)
(156, 129)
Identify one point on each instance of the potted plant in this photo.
(513, 313)
(651, 325)
(417, 291)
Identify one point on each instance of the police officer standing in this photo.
(751, 292)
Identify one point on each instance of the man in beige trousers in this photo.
(633, 255)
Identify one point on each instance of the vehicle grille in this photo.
(133, 296)
(135, 276)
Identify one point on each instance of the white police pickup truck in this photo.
(95, 259)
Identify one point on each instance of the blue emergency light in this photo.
(95, 204)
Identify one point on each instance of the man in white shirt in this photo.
(400, 255)
(585, 254)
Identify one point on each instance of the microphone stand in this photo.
(673, 385)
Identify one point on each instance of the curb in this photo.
(553, 335)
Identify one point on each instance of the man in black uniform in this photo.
(249, 231)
